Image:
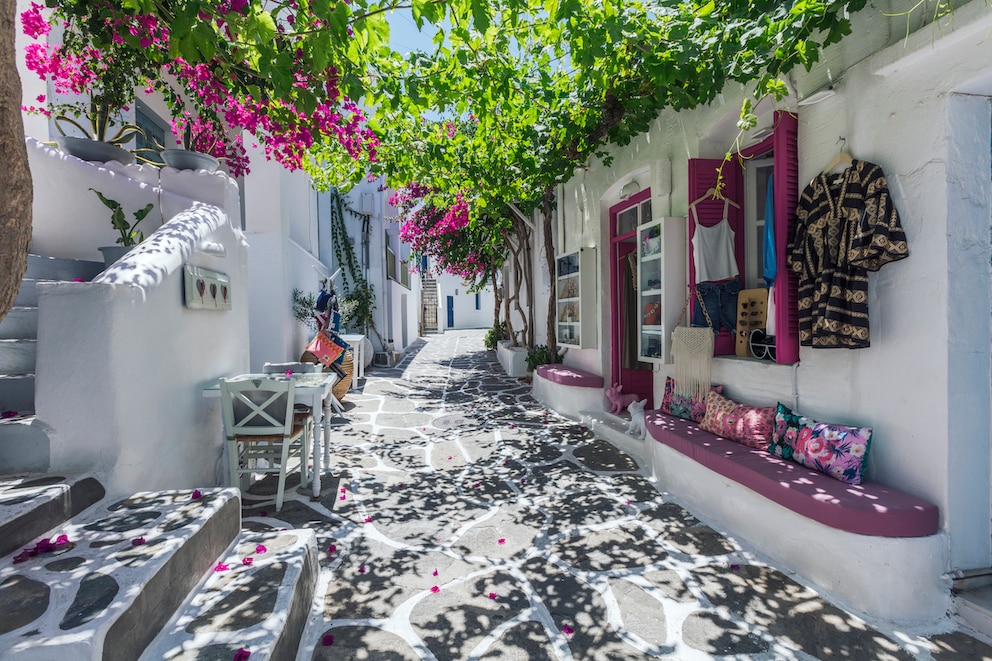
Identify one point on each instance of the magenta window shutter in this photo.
(786, 198)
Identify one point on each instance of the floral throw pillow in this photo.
(835, 450)
(748, 425)
(680, 406)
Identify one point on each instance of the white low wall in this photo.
(513, 359)
(122, 362)
(569, 401)
(898, 580)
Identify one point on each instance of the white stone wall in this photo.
(924, 382)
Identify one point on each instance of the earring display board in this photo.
(204, 289)
(661, 249)
(752, 314)
(576, 299)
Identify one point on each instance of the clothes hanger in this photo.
(714, 194)
(842, 160)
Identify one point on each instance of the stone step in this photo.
(104, 597)
(20, 323)
(27, 295)
(25, 446)
(973, 609)
(261, 608)
(17, 393)
(33, 504)
(18, 356)
(55, 268)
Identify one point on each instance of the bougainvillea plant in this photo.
(282, 71)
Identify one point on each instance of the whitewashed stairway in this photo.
(161, 574)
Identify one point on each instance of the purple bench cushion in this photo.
(868, 509)
(569, 376)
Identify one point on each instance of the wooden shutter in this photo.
(702, 177)
(786, 198)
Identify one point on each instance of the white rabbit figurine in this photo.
(637, 429)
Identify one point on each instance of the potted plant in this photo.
(189, 157)
(129, 237)
(96, 144)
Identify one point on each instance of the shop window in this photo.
(745, 183)
(153, 136)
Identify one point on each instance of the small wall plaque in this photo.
(205, 289)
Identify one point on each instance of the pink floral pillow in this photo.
(680, 406)
(835, 450)
(748, 425)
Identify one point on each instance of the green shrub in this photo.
(495, 334)
(541, 355)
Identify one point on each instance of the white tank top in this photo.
(713, 249)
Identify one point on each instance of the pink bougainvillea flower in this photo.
(628, 502)
(247, 561)
(289, 372)
(137, 541)
(221, 567)
(332, 548)
(61, 540)
(361, 570)
(8, 414)
(513, 426)
(242, 654)
(342, 497)
(449, 458)
(342, 490)
(523, 480)
(435, 589)
(501, 541)
(368, 519)
(22, 556)
(506, 462)
(435, 572)
(478, 485)
(259, 550)
(735, 567)
(567, 630)
(197, 494)
(492, 595)
(327, 640)
(41, 99)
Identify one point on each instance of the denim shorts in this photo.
(720, 299)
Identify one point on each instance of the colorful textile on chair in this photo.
(325, 348)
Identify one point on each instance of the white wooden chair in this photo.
(259, 424)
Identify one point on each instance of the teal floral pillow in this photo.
(835, 450)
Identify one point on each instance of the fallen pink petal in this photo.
(435, 589)
(259, 550)
(567, 630)
(501, 541)
(735, 567)
(289, 372)
(221, 567)
(197, 494)
(332, 548)
(449, 458)
(343, 497)
(327, 640)
(342, 489)
(368, 519)
(263, 513)
(247, 561)
(242, 654)
(492, 595)
(435, 572)
(78, 280)
(137, 541)
(8, 414)
(61, 540)
(478, 485)
(361, 570)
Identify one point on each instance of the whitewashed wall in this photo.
(121, 361)
(924, 383)
(466, 316)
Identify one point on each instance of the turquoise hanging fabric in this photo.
(768, 258)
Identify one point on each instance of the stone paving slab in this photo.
(463, 520)
(256, 598)
(123, 567)
(33, 504)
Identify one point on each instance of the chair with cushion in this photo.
(259, 424)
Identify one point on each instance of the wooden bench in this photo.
(567, 390)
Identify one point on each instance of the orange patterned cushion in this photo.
(748, 425)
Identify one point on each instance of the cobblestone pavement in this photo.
(464, 520)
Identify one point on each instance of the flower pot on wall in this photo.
(183, 159)
(94, 150)
(113, 253)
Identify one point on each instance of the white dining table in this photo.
(314, 387)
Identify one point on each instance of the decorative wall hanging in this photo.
(204, 289)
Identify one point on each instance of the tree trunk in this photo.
(15, 202)
(547, 207)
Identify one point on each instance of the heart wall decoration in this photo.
(204, 289)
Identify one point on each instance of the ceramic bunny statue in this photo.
(619, 400)
(637, 429)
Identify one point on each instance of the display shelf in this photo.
(661, 285)
(576, 298)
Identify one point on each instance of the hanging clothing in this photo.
(713, 249)
(770, 265)
(771, 323)
(846, 225)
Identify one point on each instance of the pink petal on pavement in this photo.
(567, 630)
(332, 549)
(361, 570)
(501, 541)
(343, 497)
(492, 595)
(435, 572)
(368, 519)
(435, 589)
(241, 655)
(137, 541)
(247, 561)
(327, 640)
(197, 494)
(259, 550)
(221, 567)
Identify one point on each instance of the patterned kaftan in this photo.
(846, 225)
